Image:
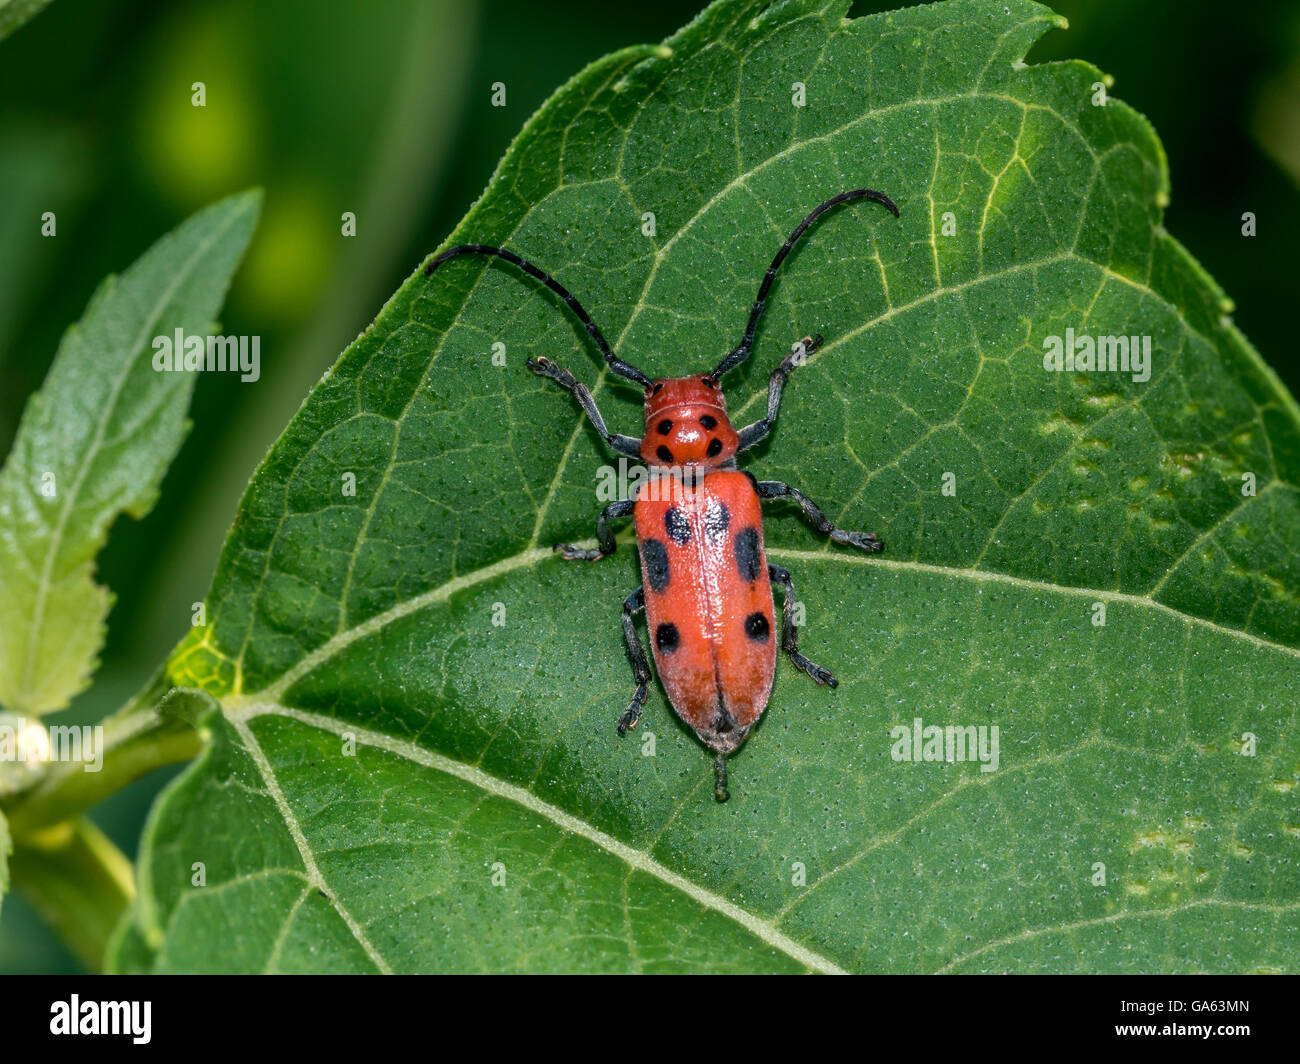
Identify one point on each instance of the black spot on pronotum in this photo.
(757, 627)
(747, 560)
(664, 454)
(666, 638)
(715, 447)
(655, 556)
(716, 519)
(709, 422)
(665, 427)
(678, 527)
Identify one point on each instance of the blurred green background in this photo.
(384, 109)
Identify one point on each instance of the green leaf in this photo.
(13, 13)
(94, 443)
(396, 782)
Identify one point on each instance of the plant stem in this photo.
(78, 881)
(136, 740)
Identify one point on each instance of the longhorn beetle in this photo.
(707, 591)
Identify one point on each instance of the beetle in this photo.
(706, 583)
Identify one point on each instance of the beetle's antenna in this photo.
(623, 369)
(720, 778)
(741, 351)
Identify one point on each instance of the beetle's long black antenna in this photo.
(623, 369)
(741, 351)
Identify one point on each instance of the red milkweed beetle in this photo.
(707, 590)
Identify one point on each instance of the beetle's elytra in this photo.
(707, 585)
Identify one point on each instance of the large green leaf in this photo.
(95, 443)
(489, 818)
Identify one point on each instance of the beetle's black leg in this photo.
(544, 367)
(633, 605)
(774, 489)
(604, 536)
(790, 631)
(751, 434)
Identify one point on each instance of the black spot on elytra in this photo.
(665, 427)
(679, 530)
(655, 556)
(716, 520)
(758, 627)
(665, 455)
(747, 560)
(709, 422)
(666, 638)
(715, 447)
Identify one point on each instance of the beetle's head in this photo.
(686, 423)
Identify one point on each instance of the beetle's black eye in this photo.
(708, 382)
(715, 447)
(709, 422)
(656, 389)
(665, 427)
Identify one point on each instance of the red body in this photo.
(708, 598)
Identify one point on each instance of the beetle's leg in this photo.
(790, 631)
(544, 367)
(633, 605)
(775, 489)
(751, 434)
(604, 536)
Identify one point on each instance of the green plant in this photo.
(389, 780)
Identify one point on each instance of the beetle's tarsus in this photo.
(633, 714)
(572, 553)
(544, 367)
(809, 345)
(819, 674)
(862, 540)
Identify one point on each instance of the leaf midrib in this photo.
(533, 556)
